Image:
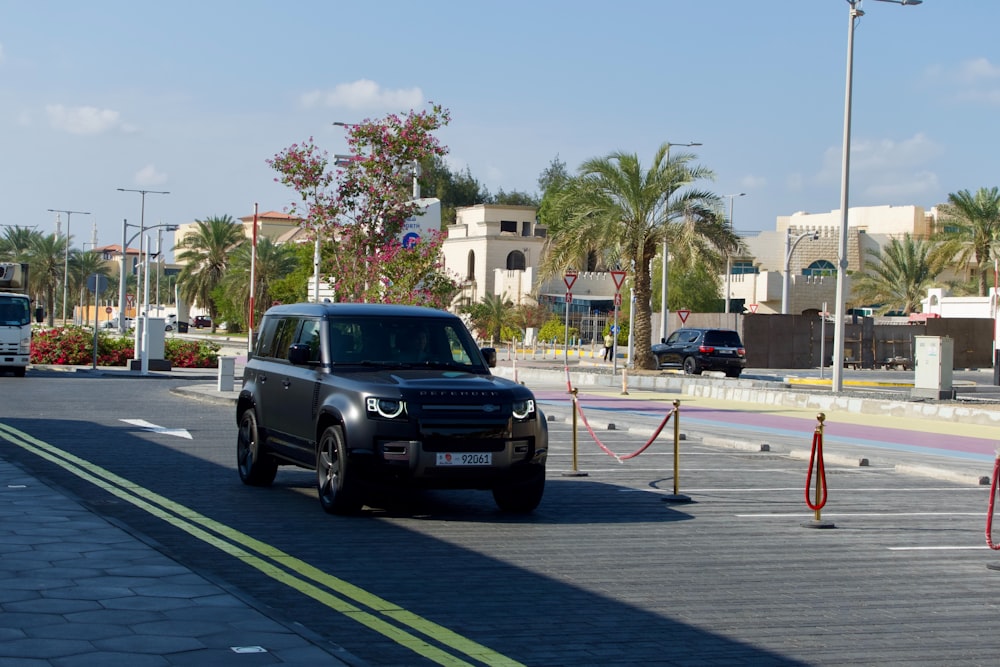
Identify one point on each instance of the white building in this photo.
(494, 249)
(757, 277)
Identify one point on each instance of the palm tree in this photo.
(972, 228)
(620, 213)
(491, 315)
(205, 255)
(273, 262)
(896, 277)
(83, 265)
(16, 243)
(46, 255)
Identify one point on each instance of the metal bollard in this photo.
(227, 373)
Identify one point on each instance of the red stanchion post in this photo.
(816, 462)
(989, 514)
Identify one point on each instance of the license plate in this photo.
(465, 459)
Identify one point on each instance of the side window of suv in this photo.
(284, 334)
(265, 338)
(309, 335)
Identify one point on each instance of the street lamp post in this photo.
(66, 256)
(126, 242)
(789, 249)
(142, 228)
(855, 13)
(664, 311)
(728, 256)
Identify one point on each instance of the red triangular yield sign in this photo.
(619, 278)
(683, 314)
(569, 279)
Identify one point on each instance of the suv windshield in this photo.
(403, 342)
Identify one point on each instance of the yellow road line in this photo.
(185, 518)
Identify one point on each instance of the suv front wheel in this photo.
(520, 496)
(339, 488)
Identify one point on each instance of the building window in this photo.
(820, 267)
(515, 261)
(508, 226)
(743, 267)
(525, 228)
(470, 273)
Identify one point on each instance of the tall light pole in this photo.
(66, 256)
(854, 14)
(728, 256)
(664, 312)
(142, 228)
(789, 249)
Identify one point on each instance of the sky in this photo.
(192, 98)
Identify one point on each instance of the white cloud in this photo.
(752, 182)
(148, 175)
(82, 120)
(911, 187)
(875, 159)
(363, 94)
(975, 81)
(976, 70)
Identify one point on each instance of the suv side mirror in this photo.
(299, 354)
(490, 355)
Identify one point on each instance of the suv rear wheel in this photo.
(339, 489)
(256, 467)
(691, 366)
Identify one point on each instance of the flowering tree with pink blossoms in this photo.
(358, 207)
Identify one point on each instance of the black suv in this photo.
(369, 394)
(697, 350)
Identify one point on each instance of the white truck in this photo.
(15, 319)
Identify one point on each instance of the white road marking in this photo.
(142, 423)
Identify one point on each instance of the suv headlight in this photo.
(523, 409)
(387, 408)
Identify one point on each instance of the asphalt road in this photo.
(606, 572)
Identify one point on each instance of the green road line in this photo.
(183, 518)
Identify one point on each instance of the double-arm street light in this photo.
(729, 258)
(664, 311)
(838, 330)
(789, 249)
(121, 269)
(66, 256)
(142, 228)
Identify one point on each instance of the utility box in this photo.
(157, 344)
(933, 359)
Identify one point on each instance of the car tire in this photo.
(522, 495)
(256, 466)
(338, 487)
(20, 371)
(691, 366)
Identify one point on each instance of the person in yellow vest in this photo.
(609, 343)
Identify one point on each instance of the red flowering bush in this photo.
(74, 346)
(191, 353)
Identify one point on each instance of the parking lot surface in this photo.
(614, 567)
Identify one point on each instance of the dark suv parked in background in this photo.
(697, 350)
(369, 394)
